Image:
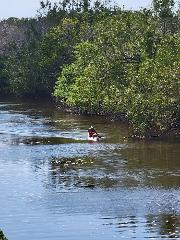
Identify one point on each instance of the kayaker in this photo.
(92, 132)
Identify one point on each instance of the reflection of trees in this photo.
(157, 162)
(157, 155)
(128, 223)
(152, 226)
(167, 225)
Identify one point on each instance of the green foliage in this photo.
(164, 8)
(167, 20)
(23, 71)
(4, 81)
(57, 50)
(85, 83)
(126, 67)
(97, 78)
(2, 237)
(152, 99)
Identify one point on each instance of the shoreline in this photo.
(172, 133)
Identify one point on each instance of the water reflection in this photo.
(166, 225)
(156, 226)
(158, 162)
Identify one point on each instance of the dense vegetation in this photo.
(101, 59)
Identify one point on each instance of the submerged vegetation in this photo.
(101, 59)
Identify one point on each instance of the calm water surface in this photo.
(54, 184)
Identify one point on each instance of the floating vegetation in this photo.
(71, 162)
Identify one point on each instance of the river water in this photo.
(55, 184)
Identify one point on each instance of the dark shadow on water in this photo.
(12, 139)
(49, 140)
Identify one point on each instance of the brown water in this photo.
(55, 184)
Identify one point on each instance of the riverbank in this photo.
(172, 132)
